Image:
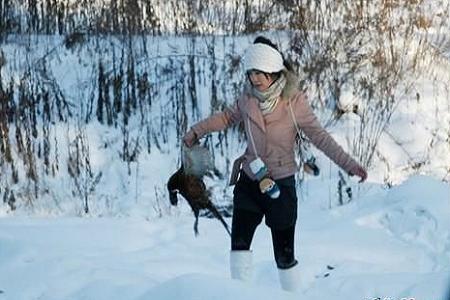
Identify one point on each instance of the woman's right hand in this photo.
(190, 138)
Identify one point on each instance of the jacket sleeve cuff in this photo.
(197, 131)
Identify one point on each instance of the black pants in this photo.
(250, 206)
(243, 228)
(279, 213)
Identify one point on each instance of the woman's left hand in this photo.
(360, 172)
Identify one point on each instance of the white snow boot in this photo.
(290, 278)
(241, 265)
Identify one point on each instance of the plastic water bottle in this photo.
(266, 184)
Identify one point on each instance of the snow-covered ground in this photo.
(387, 244)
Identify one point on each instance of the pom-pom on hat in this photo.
(264, 58)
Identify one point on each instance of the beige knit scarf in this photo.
(268, 99)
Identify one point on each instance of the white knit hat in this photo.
(264, 58)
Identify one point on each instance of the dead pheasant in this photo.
(188, 182)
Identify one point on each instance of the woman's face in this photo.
(260, 80)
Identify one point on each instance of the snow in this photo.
(386, 243)
(392, 244)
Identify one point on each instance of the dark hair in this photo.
(263, 40)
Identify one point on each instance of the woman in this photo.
(273, 111)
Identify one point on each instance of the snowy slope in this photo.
(392, 244)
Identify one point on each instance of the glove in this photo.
(190, 138)
(359, 171)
